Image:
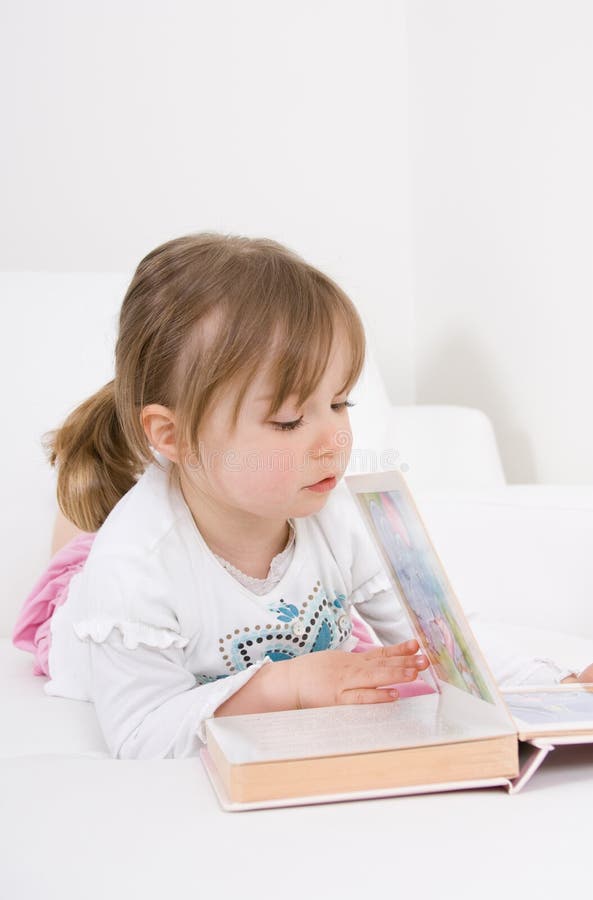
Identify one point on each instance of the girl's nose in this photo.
(333, 439)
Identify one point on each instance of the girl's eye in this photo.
(343, 405)
(290, 426)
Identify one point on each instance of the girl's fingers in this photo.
(372, 683)
(382, 666)
(398, 673)
(411, 646)
(362, 677)
(401, 662)
(362, 695)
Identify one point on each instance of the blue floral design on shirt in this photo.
(320, 623)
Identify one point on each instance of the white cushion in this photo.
(34, 724)
(443, 446)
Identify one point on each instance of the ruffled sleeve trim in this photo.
(133, 633)
(379, 582)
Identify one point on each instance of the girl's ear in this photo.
(160, 429)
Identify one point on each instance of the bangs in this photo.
(304, 345)
(283, 318)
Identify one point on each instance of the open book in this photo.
(459, 732)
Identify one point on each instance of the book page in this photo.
(550, 711)
(335, 730)
(435, 614)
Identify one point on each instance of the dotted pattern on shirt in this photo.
(320, 624)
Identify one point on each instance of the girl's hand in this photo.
(585, 677)
(332, 678)
(587, 674)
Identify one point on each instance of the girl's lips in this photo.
(326, 484)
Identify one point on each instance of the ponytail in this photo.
(95, 463)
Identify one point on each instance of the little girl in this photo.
(216, 534)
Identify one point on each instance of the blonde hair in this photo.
(200, 316)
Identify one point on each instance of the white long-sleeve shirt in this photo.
(158, 633)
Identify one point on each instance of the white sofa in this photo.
(73, 821)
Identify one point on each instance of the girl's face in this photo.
(266, 467)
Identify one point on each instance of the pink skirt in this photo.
(32, 629)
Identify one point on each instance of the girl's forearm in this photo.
(269, 690)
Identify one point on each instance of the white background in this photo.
(433, 156)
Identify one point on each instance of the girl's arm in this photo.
(64, 531)
(585, 677)
(148, 704)
(268, 691)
